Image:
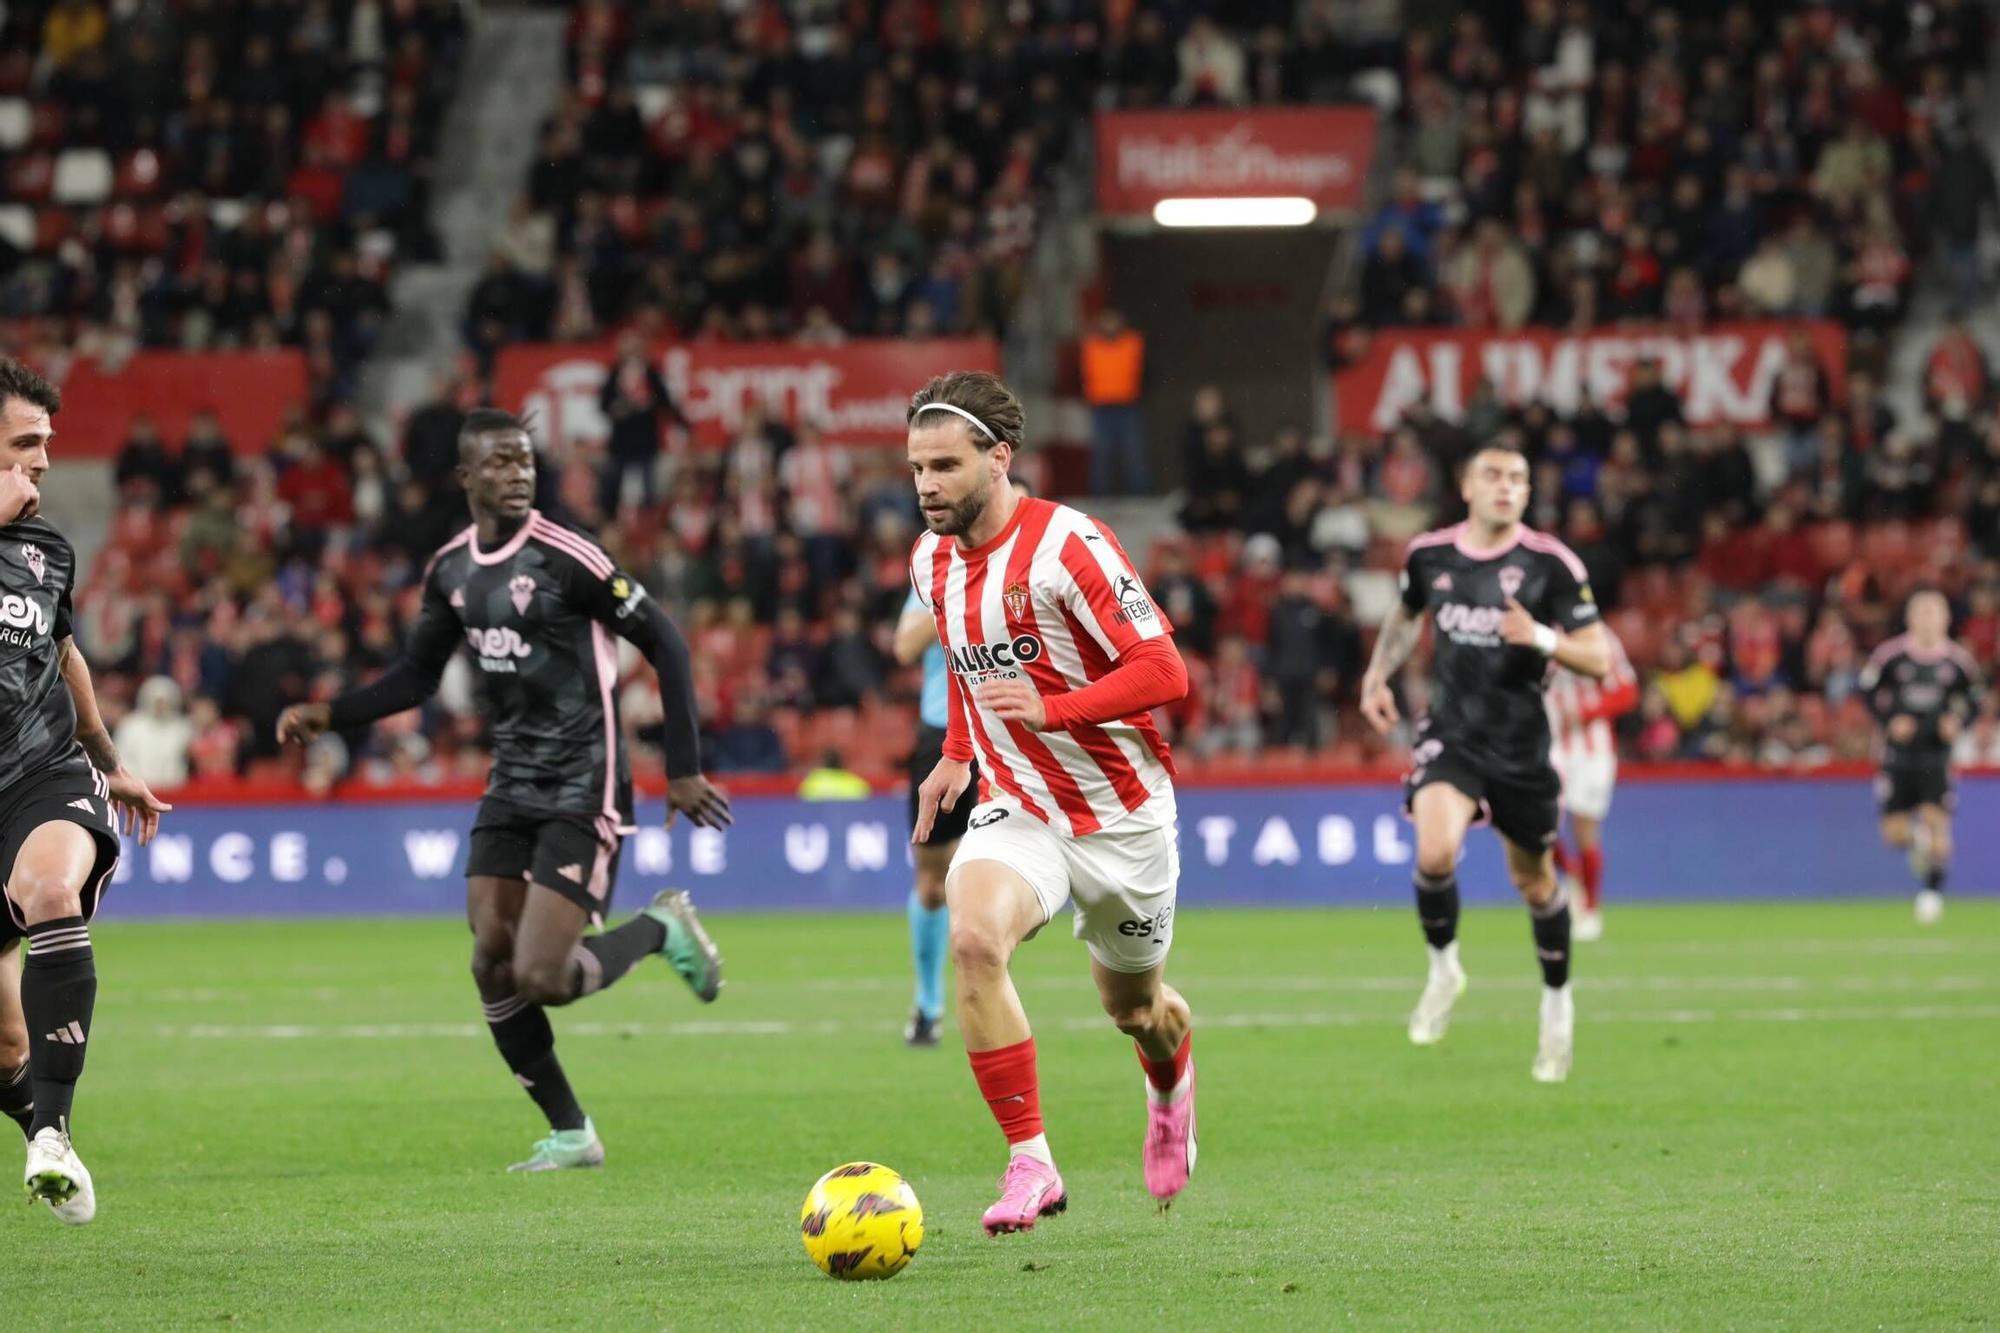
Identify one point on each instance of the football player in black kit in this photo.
(1504, 600)
(64, 797)
(1924, 690)
(538, 604)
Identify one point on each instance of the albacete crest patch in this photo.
(522, 589)
(1510, 580)
(31, 555)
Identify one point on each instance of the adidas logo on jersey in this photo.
(458, 599)
(1442, 583)
(572, 873)
(83, 804)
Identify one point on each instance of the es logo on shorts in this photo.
(990, 817)
(1153, 927)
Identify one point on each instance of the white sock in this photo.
(1037, 1148)
(1556, 998)
(1445, 959)
(1154, 1097)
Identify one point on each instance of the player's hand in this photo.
(1902, 728)
(133, 806)
(19, 497)
(1517, 627)
(940, 791)
(700, 800)
(1949, 725)
(302, 724)
(1378, 704)
(1016, 701)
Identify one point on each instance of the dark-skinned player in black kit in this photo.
(538, 605)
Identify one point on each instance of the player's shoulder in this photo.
(1429, 545)
(452, 555)
(1548, 547)
(1887, 651)
(567, 544)
(1959, 656)
(37, 531)
(924, 549)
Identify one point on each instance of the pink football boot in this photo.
(1170, 1145)
(1031, 1189)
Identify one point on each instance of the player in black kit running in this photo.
(64, 796)
(1924, 690)
(1504, 600)
(538, 604)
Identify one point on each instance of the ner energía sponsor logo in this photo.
(497, 648)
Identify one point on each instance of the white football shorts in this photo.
(1121, 880)
(1587, 782)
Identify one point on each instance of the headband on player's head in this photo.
(984, 429)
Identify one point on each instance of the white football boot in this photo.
(1930, 907)
(1552, 1056)
(1432, 1015)
(56, 1174)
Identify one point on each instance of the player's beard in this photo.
(958, 520)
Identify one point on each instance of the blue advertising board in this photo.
(1264, 846)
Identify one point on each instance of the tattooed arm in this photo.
(138, 809)
(1394, 643)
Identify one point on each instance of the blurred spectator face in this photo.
(1207, 403)
(1496, 487)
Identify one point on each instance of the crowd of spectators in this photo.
(821, 171)
(213, 174)
(1573, 165)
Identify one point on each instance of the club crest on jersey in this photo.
(1442, 583)
(31, 555)
(1015, 598)
(458, 599)
(1510, 580)
(521, 590)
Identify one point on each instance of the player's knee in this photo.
(930, 888)
(13, 1050)
(544, 981)
(977, 948)
(1436, 862)
(43, 895)
(1134, 1020)
(492, 972)
(1536, 885)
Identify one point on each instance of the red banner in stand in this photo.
(1321, 153)
(249, 391)
(1722, 373)
(856, 392)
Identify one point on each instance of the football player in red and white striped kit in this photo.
(1057, 657)
(1585, 753)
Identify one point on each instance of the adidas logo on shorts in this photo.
(572, 873)
(83, 804)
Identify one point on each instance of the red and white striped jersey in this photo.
(1053, 598)
(1581, 709)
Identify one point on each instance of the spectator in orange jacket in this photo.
(1114, 369)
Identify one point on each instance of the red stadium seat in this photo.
(140, 174)
(52, 227)
(30, 177)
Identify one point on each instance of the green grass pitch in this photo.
(1780, 1116)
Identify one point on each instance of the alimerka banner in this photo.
(857, 392)
(1722, 373)
(1321, 153)
(249, 391)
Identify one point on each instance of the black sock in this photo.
(1551, 923)
(1934, 877)
(58, 991)
(1437, 908)
(528, 1044)
(604, 958)
(17, 1097)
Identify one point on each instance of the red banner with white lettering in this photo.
(249, 391)
(856, 393)
(1723, 373)
(1320, 153)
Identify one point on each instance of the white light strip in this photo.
(1272, 211)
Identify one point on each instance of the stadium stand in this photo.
(216, 174)
(1573, 166)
